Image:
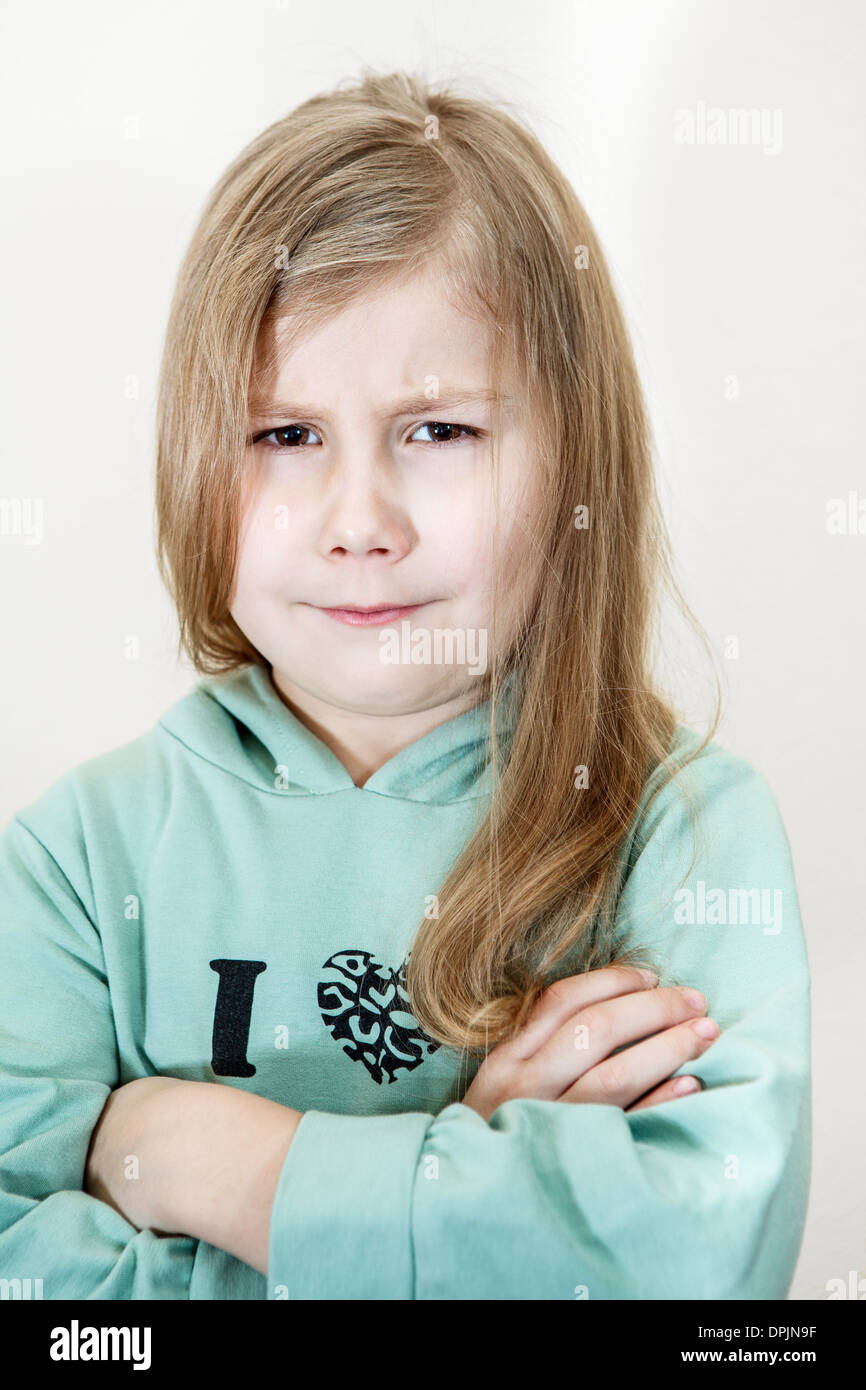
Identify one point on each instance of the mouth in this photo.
(357, 616)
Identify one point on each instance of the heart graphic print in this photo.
(366, 1008)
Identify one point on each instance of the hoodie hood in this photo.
(239, 722)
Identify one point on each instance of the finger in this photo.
(683, 1085)
(623, 1079)
(594, 1033)
(564, 997)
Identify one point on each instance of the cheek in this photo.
(262, 551)
(457, 532)
(460, 555)
(519, 510)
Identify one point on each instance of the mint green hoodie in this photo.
(217, 900)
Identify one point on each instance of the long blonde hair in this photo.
(354, 187)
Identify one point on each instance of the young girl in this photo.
(328, 986)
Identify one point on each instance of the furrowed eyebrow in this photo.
(264, 412)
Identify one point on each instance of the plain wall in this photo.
(740, 269)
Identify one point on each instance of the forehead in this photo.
(391, 339)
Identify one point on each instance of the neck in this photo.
(364, 742)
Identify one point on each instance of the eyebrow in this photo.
(448, 399)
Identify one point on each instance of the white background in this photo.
(729, 262)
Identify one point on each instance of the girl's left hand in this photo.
(121, 1170)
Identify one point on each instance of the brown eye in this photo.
(287, 437)
(445, 433)
(290, 435)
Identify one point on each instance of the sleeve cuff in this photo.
(341, 1220)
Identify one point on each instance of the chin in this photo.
(387, 690)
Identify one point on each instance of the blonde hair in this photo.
(352, 188)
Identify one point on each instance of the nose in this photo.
(364, 513)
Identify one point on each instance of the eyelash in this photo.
(470, 430)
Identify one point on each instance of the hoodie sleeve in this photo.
(701, 1197)
(58, 1064)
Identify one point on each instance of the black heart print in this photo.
(366, 1007)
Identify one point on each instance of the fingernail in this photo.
(684, 1084)
(695, 998)
(706, 1028)
(650, 976)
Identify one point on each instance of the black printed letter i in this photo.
(231, 1020)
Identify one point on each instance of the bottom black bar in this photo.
(68, 1337)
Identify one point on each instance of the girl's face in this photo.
(369, 484)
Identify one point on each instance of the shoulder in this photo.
(706, 801)
(113, 795)
(709, 884)
(707, 779)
